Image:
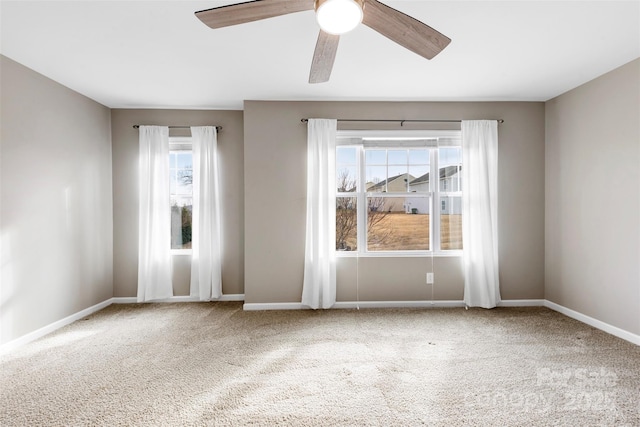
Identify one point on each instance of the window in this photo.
(385, 196)
(450, 166)
(181, 190)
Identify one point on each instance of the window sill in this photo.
(398, 254)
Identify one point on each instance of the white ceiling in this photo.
(156, 54)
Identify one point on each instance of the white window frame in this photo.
(180, 143)
(398, 139)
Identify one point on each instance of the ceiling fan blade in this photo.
(250, 11)
(323, 57)
(403, 29)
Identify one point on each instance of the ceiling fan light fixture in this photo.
(338, 16)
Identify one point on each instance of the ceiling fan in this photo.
(335, 17)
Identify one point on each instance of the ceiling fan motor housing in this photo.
(339, 16)
(359, 2)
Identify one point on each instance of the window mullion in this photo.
(406, 187)
(435, 201)
(361, 211)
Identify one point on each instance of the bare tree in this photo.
(346, 223)
(186, 176)
(346, 215)
(376, 221)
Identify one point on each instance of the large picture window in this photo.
(398, 192)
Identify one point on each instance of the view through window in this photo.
(181, 189)
(399, 194)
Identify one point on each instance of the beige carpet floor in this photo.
(213, 364)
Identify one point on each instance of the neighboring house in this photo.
(449, 181)
(395, 184)
(451, 205)
(420, 184)
(451, 178)
(420, 204)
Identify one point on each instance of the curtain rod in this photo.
(218, 128)
(402, 122)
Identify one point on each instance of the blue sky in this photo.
(382, 164)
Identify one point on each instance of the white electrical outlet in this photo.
(429, 278)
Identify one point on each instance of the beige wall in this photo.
(399, 279)
(125, 195)
(56, 202)
(592, 254)
(275, 176)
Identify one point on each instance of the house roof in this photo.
(387, 181)
(444, 172)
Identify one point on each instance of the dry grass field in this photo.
(451, 232)
(400, 231)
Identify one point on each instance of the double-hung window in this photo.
(398, 192)
(181, 190)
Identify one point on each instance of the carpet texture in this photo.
(213, 364)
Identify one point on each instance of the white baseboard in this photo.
(39, 333)
(598, 324)
(522, 303)
(274, 306)
(398, 304)
(387, 304)
(184, 298)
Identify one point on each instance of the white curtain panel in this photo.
(154, 234)
(319, 286)
(480, 213)
(206, 248)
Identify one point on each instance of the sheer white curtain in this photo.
(154, 234)
(319, 286)
(480, 213)
(206, 248)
